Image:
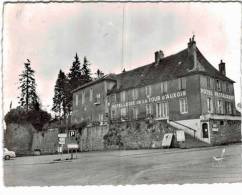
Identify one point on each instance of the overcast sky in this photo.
(50, 34)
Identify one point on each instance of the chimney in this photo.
(192, 51)
(221, 67)
(191, 45)
(158, 56)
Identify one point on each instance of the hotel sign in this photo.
(216, 94)
(151, 99)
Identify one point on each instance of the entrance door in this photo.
(205, 130)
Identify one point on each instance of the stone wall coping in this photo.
(220, 117)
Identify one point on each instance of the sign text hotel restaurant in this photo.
(169, 96)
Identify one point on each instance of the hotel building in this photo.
(183, 89)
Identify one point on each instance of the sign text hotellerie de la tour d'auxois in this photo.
(150, 99)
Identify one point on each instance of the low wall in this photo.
(228, 132)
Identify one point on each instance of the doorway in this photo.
(205, 130)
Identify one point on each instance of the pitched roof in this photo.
(105, 77)
(171, 67)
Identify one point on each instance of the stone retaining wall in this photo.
(228, 132)
(125, 135)
(19, 138)
(46, 142)
(92, 138)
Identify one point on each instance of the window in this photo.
(228, 107)
(164, 87)
(148, 109)
(98, 98)
(209, 83)
(227, 87)
(135, 94)
(135, 112)
(162, 109)
(91, 95)
(182, 83)
(123, 112)
(76, 99)
(100, 117)
(210, 104)
(148, 91)
(218, 85)
(83, 97)
(122, 96)
(183, 105)
(219, 106)
(113, 113)
(114, 98)
(158, 110)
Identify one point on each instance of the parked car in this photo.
(8, 154)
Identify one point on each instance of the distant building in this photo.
(183, 89)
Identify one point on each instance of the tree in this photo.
(86, 72)
(60, 99)
(74, 75)
(28, 97)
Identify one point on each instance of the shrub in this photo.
(36, 117)
(113, 137)
(17, 115)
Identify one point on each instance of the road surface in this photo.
(157, 166)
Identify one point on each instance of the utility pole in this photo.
(123, 37)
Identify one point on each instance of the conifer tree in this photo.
(60, 99)
(86, 72)
(74, 75)
(28, 97)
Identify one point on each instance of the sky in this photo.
(112, 36)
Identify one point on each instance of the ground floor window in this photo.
(113, 113)
(135, 112)
(148, 109)
(161, 109)
(100, 117)
(183, 105)
(123, 112)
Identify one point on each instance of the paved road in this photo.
(128, 167)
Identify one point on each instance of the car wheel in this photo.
(7, 157)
